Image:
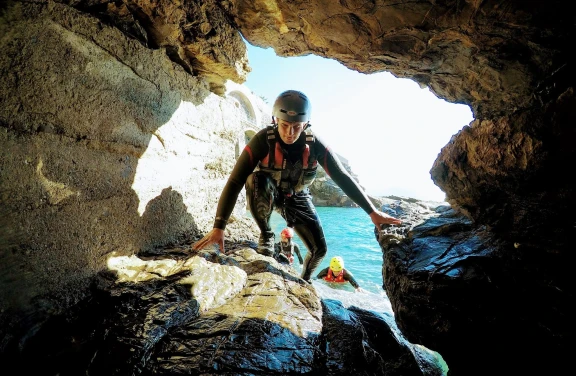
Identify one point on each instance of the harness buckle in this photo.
(286, 189)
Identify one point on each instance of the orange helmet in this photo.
(287, 233)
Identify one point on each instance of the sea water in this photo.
(349, 234)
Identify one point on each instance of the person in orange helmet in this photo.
(286, 248)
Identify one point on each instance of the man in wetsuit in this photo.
(277, 166)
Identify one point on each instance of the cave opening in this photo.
(390, 130)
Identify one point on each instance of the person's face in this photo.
(290, 131)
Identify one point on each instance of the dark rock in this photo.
(362, 342)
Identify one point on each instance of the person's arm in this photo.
(323, 273)
(297, 250)
(334, 168)
(256, 149)
(350, 278)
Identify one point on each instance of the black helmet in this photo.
(292, 105)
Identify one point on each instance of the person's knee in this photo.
(318, 252)
(250, 183)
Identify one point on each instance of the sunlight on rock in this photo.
(288, 303)
(213, 284)
(166, 159)
(56, 191)
(133, 269)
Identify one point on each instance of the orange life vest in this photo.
(337, 279)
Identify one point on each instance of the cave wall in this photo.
(487, 54)
(107, 148)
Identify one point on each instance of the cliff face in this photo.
(325, 192)
(118, 129)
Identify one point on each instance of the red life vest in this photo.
(337, 279)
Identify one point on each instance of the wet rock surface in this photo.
(244, 314)
(450, 281)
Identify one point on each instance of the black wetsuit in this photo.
(297, 209)
(283, 252)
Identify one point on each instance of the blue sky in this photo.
(389, 129)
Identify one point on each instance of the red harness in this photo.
(276, 159)
(337, 279)
(275, 163)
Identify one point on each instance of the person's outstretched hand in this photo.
(360, 289)
(381, 218)
(215, 236)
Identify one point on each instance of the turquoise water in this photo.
(350, 234)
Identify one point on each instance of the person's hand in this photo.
(381, 218)
(360, 289)
(215, 236)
